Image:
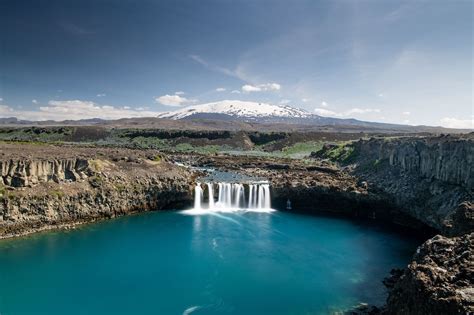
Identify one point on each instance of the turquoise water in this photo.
(170, 263)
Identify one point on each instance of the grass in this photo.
(57, 193)
(302, 149)
(343, 152)
(120, 187)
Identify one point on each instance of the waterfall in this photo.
(232, 196)
(197, 196)
(210, 189)
(251, 197)
(267, 197)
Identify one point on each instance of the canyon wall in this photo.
(427, 178)
(37, 193)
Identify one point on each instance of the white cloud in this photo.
(34, 101)
(325, 112)
(248, 88)
(324, 104)
(101, 95)
(406, 113)
(1, 99)
(5, 111)
(173, 100)
(215, 68)
(406, 121)
(235, 92)
(348, 113)
(74, 109)
(361, 111)
(285, 101)
(179, 93)
(457, 123)
(220, 89)
(380, 95)
(305, 100)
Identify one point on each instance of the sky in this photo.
(407, 62)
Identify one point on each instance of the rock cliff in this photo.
(425, 177)
(439, 280)
(82, 185)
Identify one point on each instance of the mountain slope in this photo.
(238, 109)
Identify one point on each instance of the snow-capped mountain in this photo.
(237, 110)
(255, 112)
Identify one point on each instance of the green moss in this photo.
(302, 149)
(120, 187)
(343, 153)
(56, 193)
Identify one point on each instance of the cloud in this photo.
(235, 92)
(74, 109)
(209, 66)
(248, 88)
(380, 95)
(220, 89)
(348, 113)
(1, 99)
(305, 100)
(34, 101)
(325, 112)
(285, 101)
(406, 113)
(179, 93)
(173, 100)
(100, 95)
(324, 104)
(457, 123)
(361, 111)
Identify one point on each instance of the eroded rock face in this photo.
(446, 158)
(40, 193)
(428, 177)
(439, 280)
(22, 173)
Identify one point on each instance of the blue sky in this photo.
(388, 61)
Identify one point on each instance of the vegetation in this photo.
(56, 193)
(302, 149)
(343, 152)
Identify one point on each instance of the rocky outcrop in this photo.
(461, 221)
(446, 158)
(425, 177)
(22, 173)
(439, 280)
(38, 194)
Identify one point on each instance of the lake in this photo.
(221, 263)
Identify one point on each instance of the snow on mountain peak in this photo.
(243, 109)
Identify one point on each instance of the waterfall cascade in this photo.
(233, 196)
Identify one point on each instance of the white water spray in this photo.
(210, 189)
(232, 197)
(198, 194)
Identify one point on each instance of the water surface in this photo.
(227, 263)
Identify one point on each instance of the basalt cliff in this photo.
(47, 187)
